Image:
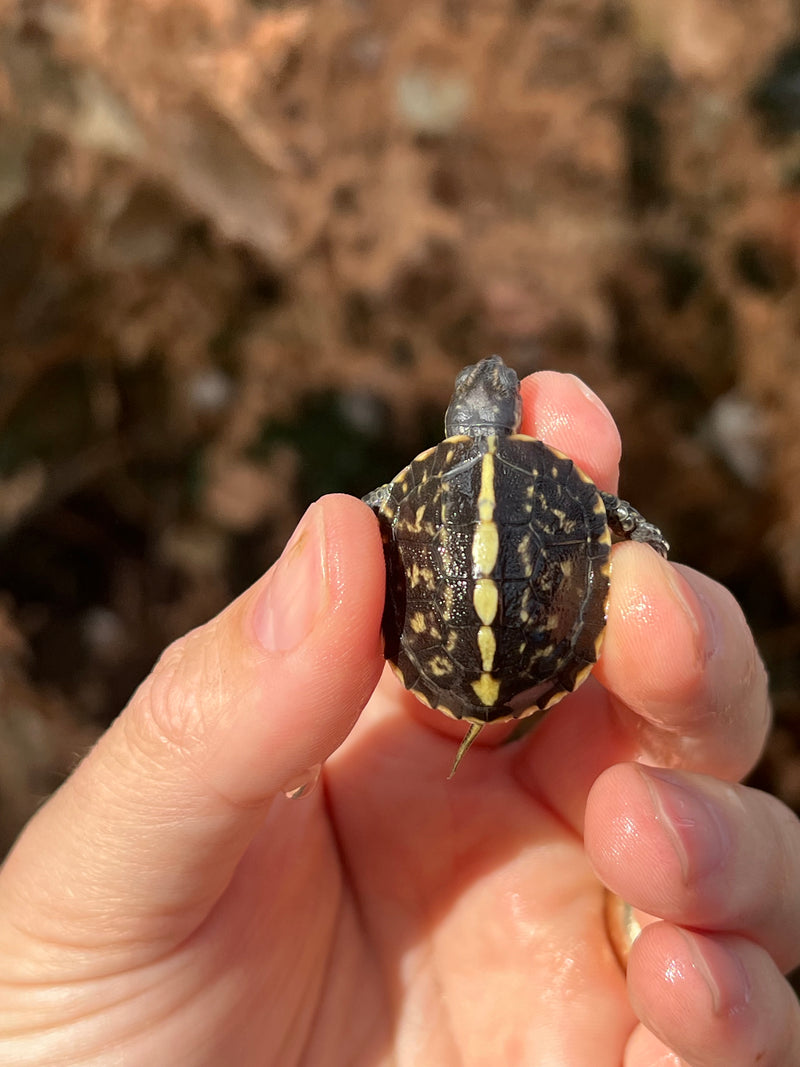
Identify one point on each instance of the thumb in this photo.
(154, 820)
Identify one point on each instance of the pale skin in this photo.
(169, 905)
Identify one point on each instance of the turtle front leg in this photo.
(626, 522)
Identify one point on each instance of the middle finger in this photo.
(681, 685)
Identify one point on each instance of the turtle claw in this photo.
(630, 525)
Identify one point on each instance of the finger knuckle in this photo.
(169, 711)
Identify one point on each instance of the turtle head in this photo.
(485, 401)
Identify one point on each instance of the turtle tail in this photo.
(473, 731)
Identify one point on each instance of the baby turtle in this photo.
(497, 552)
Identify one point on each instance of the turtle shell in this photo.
(497, 559)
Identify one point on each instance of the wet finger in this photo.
(644, 1049)
(682, 666)
(699, 852)
(718, 1001)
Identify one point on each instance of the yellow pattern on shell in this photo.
(486, 498)
(486, 689)
(440, 666)
(485, 548)
(487, 645)
(486, 539)
(485, 599)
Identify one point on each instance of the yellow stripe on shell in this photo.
(485, 599)
(486, 497)
(486, 539)
(487, 645)
(485, 548)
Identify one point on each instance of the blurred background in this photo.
(246, 245)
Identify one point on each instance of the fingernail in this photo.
(712, 624)
(302, 785)
(695, 830)
(686, 600)
(295, 591)
(722, 972)
(590, 395)
(623, 924)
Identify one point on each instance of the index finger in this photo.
(562, 411)
(682, 682)
(679, 657)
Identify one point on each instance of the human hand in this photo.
(169, 905)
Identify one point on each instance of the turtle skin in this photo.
(497, 552)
